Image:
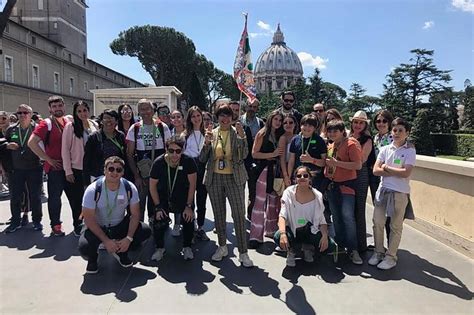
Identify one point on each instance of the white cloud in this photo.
(264, 26)
(307, 60)
(464, 5)
(255, 35)
(428, 25)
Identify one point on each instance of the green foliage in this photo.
(196, 96)
(268, 103)
(420, 134)
(468, 102)
(454, 144)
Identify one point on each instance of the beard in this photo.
(58, 114)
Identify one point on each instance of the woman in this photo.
(266, 154)
(331, 114)
(102, 144)
(290, 126)
(172, 187)
(360, 131)
(309, 149)
(74, 137)
(194, 135)
(125, 121)
(207, 119)
(224, 151)
(344, 159)
(301, 222)
(177, 120)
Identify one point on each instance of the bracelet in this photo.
(129, 238)
(189, 205)
(282, 233)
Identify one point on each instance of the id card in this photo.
(221, 164)
(301, 221)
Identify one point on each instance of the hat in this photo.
(360, 115)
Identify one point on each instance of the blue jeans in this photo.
(343, 215)
(33, 179)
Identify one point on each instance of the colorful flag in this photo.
(243, 67)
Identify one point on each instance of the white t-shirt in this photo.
(398, 158)
(145, 138)
(105, 216)
(194, 144)
(297, 214)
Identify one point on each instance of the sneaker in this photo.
(158, 254)
(387, 263)
(375, 259)
(308, 255)
(102, 246)
(291, 259)
(57, 230)
(12, 228)
(92, 267)
(245, 260)
(24, 220)
(37, 226)
(78, 230)
(220, 253)
(188, 253)
(355, 257)
(201, 235)
(123, 259)
(176, 230)
(279, 249)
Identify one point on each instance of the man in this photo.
(250, 118)
(104, 208)
(26, 175)
(49, 131)
(145, 142)
(288, 99)
(163, 112)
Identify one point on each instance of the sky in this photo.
(350, 41)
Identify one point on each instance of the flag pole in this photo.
(245, 14)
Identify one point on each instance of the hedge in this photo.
(454, 144)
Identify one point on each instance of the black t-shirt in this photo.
(179, 195)
(23, 158)
(315, 147)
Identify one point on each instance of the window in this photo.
(40, 4)
(96, 87)
(70, 57)
(7, 28)
(95, 68)
(71, 86)
(33, 40)
(115, 77)
(35, 77)
(84, 58)
(56, 82)
(86, 87)
(55, 25)
(106, 73)
(8, 69)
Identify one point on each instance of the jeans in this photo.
(33, 180)
(89, 242)
(342, 209)
(201, 193)
(56, 185)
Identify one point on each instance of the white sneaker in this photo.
(220, 253)
(176, 230)
(245, 260)
(158, 254)
(375, 259)
(355, 257)
(291, 259)
(188, 253)
(387, 263)
(101, 246)
(308, 255)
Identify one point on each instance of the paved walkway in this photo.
(41, 275)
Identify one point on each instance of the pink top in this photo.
(72, 149)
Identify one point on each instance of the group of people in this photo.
(307, 177)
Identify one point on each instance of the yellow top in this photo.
(223, 152)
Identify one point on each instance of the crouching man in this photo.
(111, 213)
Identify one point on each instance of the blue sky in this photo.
(349, 40)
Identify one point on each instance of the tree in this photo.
(421, 134)
(304, 101)
(355, 100)
(468, 102)
(268, 103)
(196, 96)
(316, 86)
(332, 96)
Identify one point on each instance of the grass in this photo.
(452, 157)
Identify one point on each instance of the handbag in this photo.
(278, 182)
(144, 167)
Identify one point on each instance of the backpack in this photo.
(128, 189)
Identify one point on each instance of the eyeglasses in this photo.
(286, 100)
(22, 113)
(289, 122)
(112, 169)
(381, 121)
(177, 151)
(302, 175)
(125, 111)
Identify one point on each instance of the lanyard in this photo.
(307, 146)
(171, 186)
(60, 127)
(223, 144)
(22, 141)
(117, 144)
(110, 209)
(198, 144)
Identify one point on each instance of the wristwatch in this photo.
(129, 238)
(189, 205)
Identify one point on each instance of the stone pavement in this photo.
(40, 274)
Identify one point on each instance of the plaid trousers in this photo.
(224, 186)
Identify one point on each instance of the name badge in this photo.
(180, 168)
(313, 142)
(14, 136)
(301, 221)
(120, 197)
(397, 161)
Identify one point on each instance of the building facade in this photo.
(278, 67)
(44, 52)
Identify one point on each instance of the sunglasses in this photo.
(125, 111)
(288, 101)
(163, 112)
(381, 121)
(302, 175)
(22, 113)
(177, 151)
(289, 122)
(112, 169)
(318, 110)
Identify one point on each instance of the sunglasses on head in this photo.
(112, 169)
(381, 121)
(302, 175)
(177, 151)
(22, 113)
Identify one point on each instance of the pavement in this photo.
(43, 275)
